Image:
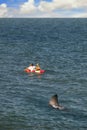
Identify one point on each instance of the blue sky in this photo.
(43, 8)
(12, 3)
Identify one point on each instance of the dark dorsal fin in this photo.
(54, 100)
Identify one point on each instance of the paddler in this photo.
(31, 67)
(37, 68)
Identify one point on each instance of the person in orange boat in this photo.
(31, 67)
(37, 68)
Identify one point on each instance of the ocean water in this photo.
(60, 47)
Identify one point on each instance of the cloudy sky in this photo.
(43, 8)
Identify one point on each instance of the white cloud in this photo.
(82, 4)
(47, 9)
(27, 7)
(61, 4)
(55, 8)
(3, 10)
(79, 15)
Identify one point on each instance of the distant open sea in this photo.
(60, 47)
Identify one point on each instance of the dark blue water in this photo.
(60, 47)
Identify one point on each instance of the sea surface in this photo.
(60, 47)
